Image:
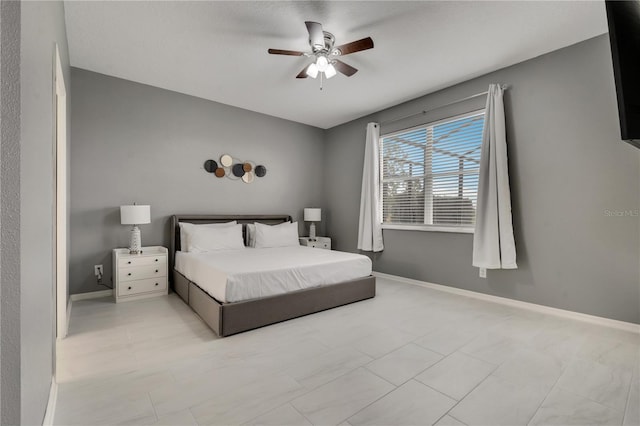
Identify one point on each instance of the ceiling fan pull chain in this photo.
(321, 74)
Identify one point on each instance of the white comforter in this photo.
(250, 273)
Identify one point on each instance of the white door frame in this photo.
(61, 200)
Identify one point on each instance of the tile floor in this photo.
(410, 356)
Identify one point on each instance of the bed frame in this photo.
(230, 318)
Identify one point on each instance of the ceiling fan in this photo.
(325, 54)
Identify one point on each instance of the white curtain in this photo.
(370, 229)
(493, 243)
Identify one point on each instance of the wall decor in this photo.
(235, 169)
(261, 171)
(248, 177)
(226, 160)
(210, 166)
(238, 170)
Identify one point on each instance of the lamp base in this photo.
(312, 231)
(135, 242)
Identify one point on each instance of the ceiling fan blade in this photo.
(355, 46)
(345, 69)
(316, 36)
(285, 52)
(303, 73)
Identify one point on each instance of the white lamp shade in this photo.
(312, 70)
(322, 63)
(330, 71)
(135, 215)
(312, 215)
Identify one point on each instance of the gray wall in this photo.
(136, 143)
(42, 26)
(567, 168)
(9, 213)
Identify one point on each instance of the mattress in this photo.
(251, 273)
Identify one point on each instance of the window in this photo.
(429, 175)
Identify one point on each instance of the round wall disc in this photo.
(261, 171)
(238, 170)
(226, 160)
(210, 166)
(248, 177)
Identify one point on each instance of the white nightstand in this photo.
(318, 242)
(138, 276)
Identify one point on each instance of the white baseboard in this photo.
(91, 295)
(606, 322)
(51, 404)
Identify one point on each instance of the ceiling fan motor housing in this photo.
(329, 41)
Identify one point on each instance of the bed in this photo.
(242, 307)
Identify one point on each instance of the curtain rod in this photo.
(424, 111)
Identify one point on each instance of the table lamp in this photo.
(135, 215)
(312, 215)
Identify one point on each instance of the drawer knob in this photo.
(129, 288)
(129, 274)
(156, 260)
(156, 284)
(157, 271)
(129, 262)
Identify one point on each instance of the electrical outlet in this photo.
(97, 270)
(483, 272)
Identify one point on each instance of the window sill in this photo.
(429, 228)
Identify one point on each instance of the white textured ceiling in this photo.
(218, 50)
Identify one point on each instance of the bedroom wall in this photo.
(42, 27)
(136, 143)
(568, 168)
(9, 213)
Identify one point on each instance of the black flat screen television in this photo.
(624, 35)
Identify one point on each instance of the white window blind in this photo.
(429, 174)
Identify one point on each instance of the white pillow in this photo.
(283, 235)
(250, 239)
(186, 228)
(207, 239)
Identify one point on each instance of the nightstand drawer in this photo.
(143, 286)
(142, 261)
(318, 242)
(142, 272)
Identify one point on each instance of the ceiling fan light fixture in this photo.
(312, 70)
(324, 52)
(322, 63)
(330, 71)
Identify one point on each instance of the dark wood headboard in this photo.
(202, 219)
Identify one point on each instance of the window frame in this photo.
(428, 126)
